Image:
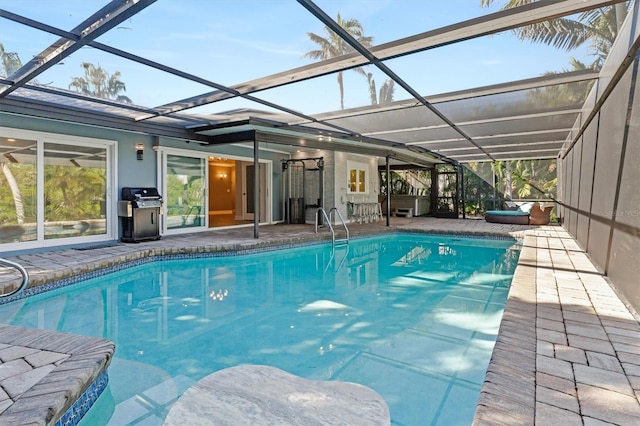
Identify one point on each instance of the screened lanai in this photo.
(193, 78)
(480, 102)
(410, 83)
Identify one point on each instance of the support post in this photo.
(256, 189)
(464, 202)
(389, 185)
(493, 169)
(320, 166)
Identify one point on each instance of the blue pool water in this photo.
(414, 317)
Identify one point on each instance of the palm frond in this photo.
(561, 33)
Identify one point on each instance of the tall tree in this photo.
(98, 82)
(9, 61)
(562, 94)
(386, 91)
(15, 191)
(332, 46)
(599, 27)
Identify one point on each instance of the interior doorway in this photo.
(231, 189)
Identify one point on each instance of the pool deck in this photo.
(568, 349)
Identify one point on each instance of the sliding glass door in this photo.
(75, 190)
(55, 189)
(184, 198)
(204, 189)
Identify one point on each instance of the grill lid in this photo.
(132, 194)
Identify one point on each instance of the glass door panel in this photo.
(185, 197)
(18, 195)
(75, 190)
(248, 191)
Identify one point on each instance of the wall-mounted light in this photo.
(222, 176)
(139, 151)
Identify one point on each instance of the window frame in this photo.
(361, 181)
(111, 195)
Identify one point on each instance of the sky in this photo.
(232, 42)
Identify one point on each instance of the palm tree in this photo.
(528, 178)
(15, 191)
(562, 94)
(386, 91)
(597, 26)
(98, 82)
(9, 62)
(332, 46)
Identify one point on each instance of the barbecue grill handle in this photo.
(152, 221)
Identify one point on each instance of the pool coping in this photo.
(509, 387)
(67, 387)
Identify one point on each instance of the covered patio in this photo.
(220, 97)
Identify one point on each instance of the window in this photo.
(357, 179)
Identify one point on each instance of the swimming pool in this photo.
(414, 317)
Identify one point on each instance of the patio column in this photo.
(256, 189)
(464, 202)
(493, 169)
(388, 170)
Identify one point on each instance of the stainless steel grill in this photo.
(139, 211)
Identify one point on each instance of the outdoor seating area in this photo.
(526, 214)
(365, 212)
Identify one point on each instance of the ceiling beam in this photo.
(496, 89)
(311, 143)
(494, 23)
(346, 36)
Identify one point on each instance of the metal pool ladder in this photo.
(23, 272)
(333, 232)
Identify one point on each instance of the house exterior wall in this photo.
(246, 152)
(335, 191)
(132, 172)
(600, 176)
(341, 175)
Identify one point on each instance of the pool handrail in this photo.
(23, 272)
(328, 219)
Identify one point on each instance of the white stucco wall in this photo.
(341, 179)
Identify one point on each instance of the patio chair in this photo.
(540, 215)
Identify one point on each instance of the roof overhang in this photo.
(301, 137)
